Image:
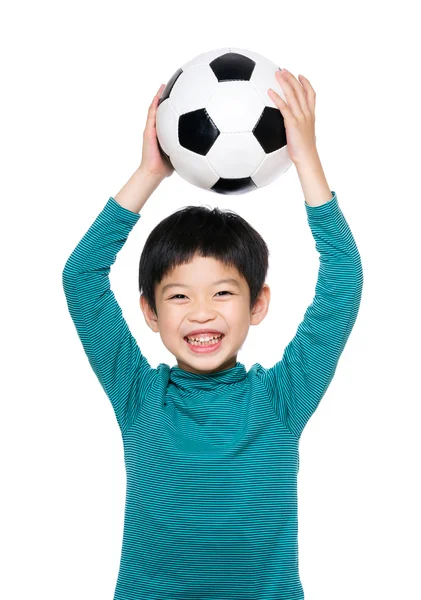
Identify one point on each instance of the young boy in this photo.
(211, 450)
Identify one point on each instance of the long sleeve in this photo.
(299, 381)
(114, 355)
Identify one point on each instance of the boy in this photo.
(211, 450)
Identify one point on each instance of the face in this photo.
(196, 300)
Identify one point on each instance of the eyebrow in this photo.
(183, 285)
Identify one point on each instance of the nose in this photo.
(202, 312)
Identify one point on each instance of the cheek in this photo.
(170, 319)
(238, 316)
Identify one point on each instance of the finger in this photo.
(310, 93)
(294, 93)
(153, 107)
(158, 93)
(280, 103)
(155, 99)
(299, 91)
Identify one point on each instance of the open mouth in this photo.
(209, 346)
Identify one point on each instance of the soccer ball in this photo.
(217, 125)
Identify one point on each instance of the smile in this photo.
(204, 347)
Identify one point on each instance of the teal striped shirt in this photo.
(212, 460)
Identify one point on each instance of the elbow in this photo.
(359, 272)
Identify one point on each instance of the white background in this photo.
(77, 79)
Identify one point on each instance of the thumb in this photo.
(150, 121)
(161, 87)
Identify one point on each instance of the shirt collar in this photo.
(185, 380)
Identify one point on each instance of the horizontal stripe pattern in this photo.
(300, 379)
(211, 460)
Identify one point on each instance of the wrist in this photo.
(149, 176)
(309, 161)
(313, 181)
(135, 193)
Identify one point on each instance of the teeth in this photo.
(203, 339)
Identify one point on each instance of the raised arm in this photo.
(299, 381)
(113, 353)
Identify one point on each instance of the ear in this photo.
(261, 306)
(150, 317)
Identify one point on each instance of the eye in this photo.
(178, 295)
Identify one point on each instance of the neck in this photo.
(228, 364)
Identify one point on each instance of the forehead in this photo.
(201, 271)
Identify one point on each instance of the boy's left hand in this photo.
(299, 115)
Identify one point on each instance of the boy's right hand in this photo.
(153, 162)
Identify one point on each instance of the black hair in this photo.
(200, 231)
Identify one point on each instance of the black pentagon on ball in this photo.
(167, 89)
(234, 186)
(270, 130)
(197, 132)
(232, 67)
